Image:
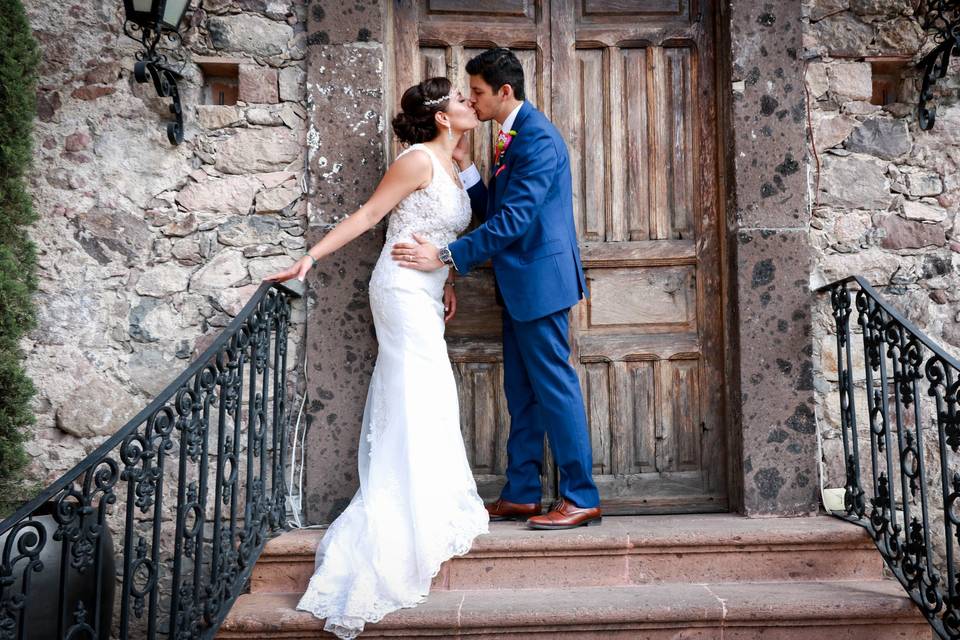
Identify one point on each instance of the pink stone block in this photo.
(258, 85)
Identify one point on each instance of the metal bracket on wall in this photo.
(941, 20)
(165, 81)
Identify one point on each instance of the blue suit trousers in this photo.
(544, 397)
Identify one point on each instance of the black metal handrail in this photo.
(180, 566)
(911, 386)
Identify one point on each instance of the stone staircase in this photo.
(689, 577)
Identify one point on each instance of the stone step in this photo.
(841, 610)
(624, 550)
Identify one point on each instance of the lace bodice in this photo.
(439, 212)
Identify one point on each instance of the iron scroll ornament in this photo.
(899, 398)
(161, 40)
(190, 489)
(940, 19)
(165, 81)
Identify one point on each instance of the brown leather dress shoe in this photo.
(503, 510)
(565, 515)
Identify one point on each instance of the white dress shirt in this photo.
(471, 176)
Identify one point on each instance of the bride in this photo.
(417, 504)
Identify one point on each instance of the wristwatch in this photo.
(445, 256)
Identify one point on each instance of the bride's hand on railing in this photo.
(449, 302)
(298, 270)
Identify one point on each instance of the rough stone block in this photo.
(851, 80)
(293, 82)
(227, 268)
(817, 80)
(841, 34)
(263, 117)
(277, 199)
(924, 184)
(152, 370)
(260, 268)
(252, 34)
(831, 128)
(162, 280)
(87, 403)
(855, 182)
(216, 116)
(909, 234)
(882, 137)
(923, 212)
(250, 230)
(232, 194)
(258, 84)
(258, 150)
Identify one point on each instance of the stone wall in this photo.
(886, 205)
(147, 250)
(885, 194)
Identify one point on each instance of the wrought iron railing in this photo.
(189, 489)
(899, 390)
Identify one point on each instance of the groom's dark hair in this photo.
(498, 67)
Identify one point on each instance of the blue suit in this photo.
(528, 232)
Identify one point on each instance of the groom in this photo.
(528, 232)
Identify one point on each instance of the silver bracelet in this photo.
(450, 283)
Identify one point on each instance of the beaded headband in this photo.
(435, 101)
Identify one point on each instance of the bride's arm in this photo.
(411, 172)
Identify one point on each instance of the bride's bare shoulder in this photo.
(414, 163)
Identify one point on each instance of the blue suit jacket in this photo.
(528, 229)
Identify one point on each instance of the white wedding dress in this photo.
(417, 504)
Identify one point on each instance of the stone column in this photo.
(771, 259)
(346, 161)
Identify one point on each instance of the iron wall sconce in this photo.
(941, 20)
(149, 22)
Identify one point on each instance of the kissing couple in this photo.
(417, 505)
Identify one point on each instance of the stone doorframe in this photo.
(773, 453)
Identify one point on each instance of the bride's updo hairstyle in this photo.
(415, 122)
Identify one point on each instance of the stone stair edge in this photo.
(614, 536)
(691, 604)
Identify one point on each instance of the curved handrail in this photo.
(901, 485)
(194, 485)
(896, 315)
(161, 399)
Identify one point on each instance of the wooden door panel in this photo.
(629, 133)
(661, 298)
(627, 80)
(623, 9)
(632, 140)
(480, 10)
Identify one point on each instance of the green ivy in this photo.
(19, 58)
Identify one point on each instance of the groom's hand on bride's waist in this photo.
(421, 256)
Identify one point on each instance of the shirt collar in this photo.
(508, 123)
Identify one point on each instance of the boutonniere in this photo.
(504, 138)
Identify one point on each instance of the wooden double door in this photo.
(631, 86)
